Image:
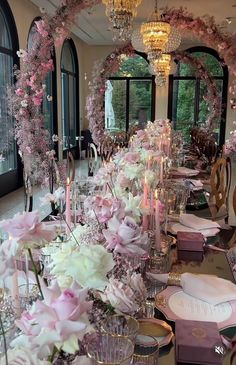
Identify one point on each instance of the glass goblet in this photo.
(109, 350)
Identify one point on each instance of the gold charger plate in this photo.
(156, 328)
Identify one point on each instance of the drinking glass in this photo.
(119, 325)
(109, 350)
(146, 350)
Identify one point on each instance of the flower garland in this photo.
(27, 96)
(212, 98)
(206, 29)
(95, 101)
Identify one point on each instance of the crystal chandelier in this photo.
(161, 68)
(155, 34)
(121, 14)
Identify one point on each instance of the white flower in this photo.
(133, 206)
(87, 265)
(2, 158)
(22, 356)
(49, 97)
(133, 171)
(24, 103)
(21, 53)
(55, 138)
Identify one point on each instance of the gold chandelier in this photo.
(121, 14)
(155, 34)
(161, 68)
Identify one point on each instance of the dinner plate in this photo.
(175, 304)
(175, 227)
(156, 328)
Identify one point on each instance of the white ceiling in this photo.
(93, 27)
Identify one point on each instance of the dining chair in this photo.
(220, 181)
(234, 200)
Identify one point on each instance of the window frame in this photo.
(11, 180)
(136, 78)
(75, 75)
(224, 78)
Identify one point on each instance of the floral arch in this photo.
(32, 138)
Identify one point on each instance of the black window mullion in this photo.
(127, 104)
(197, 100)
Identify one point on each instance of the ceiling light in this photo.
(121, 14)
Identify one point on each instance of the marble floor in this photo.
(13, 203)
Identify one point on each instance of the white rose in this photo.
(22, 357)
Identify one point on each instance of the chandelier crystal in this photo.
(161, 68)
(121, 14)
(155, 34)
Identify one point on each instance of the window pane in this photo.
(115, 99)
(67, 59)
(5, 40)
(65, 108)
(209, 61)
(140, 99)
(6, 122)
(135, 66)
(48, 105)
(72, 110)
(183, 106)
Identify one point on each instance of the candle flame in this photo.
(68, 181)
(145, 179)
(156, 194)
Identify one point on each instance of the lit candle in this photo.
(149, 162)
(68, 211)
(157, 224)
(161, 169)
(145, 191)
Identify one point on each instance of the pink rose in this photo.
(125, 237)
(123, 181)
(121, 296)
(132, 157)
(27, 227)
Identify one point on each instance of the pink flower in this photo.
(41, 28)
(57, 320)
(125, 237)
(27, 228)
(123, 181)
(20, 92)
(121, 296)
(132, 157)
(105, 208)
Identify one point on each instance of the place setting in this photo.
(118, 198)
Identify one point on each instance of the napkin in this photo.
(208, 288)
(197, 223)
(195, 184)
(184, 171)
(174, 228)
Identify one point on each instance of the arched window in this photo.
(49, 104)
(69, 94)
(187, 105)
(10, 177)
(130, 95)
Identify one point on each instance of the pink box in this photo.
(190, 246)
(198, 343)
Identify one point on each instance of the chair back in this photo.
(220, 181)
(234, 200)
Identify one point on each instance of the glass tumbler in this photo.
(146, 350)
(109, 350)
(120, 325)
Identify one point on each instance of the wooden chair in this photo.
(220, 181)
(234, 200)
